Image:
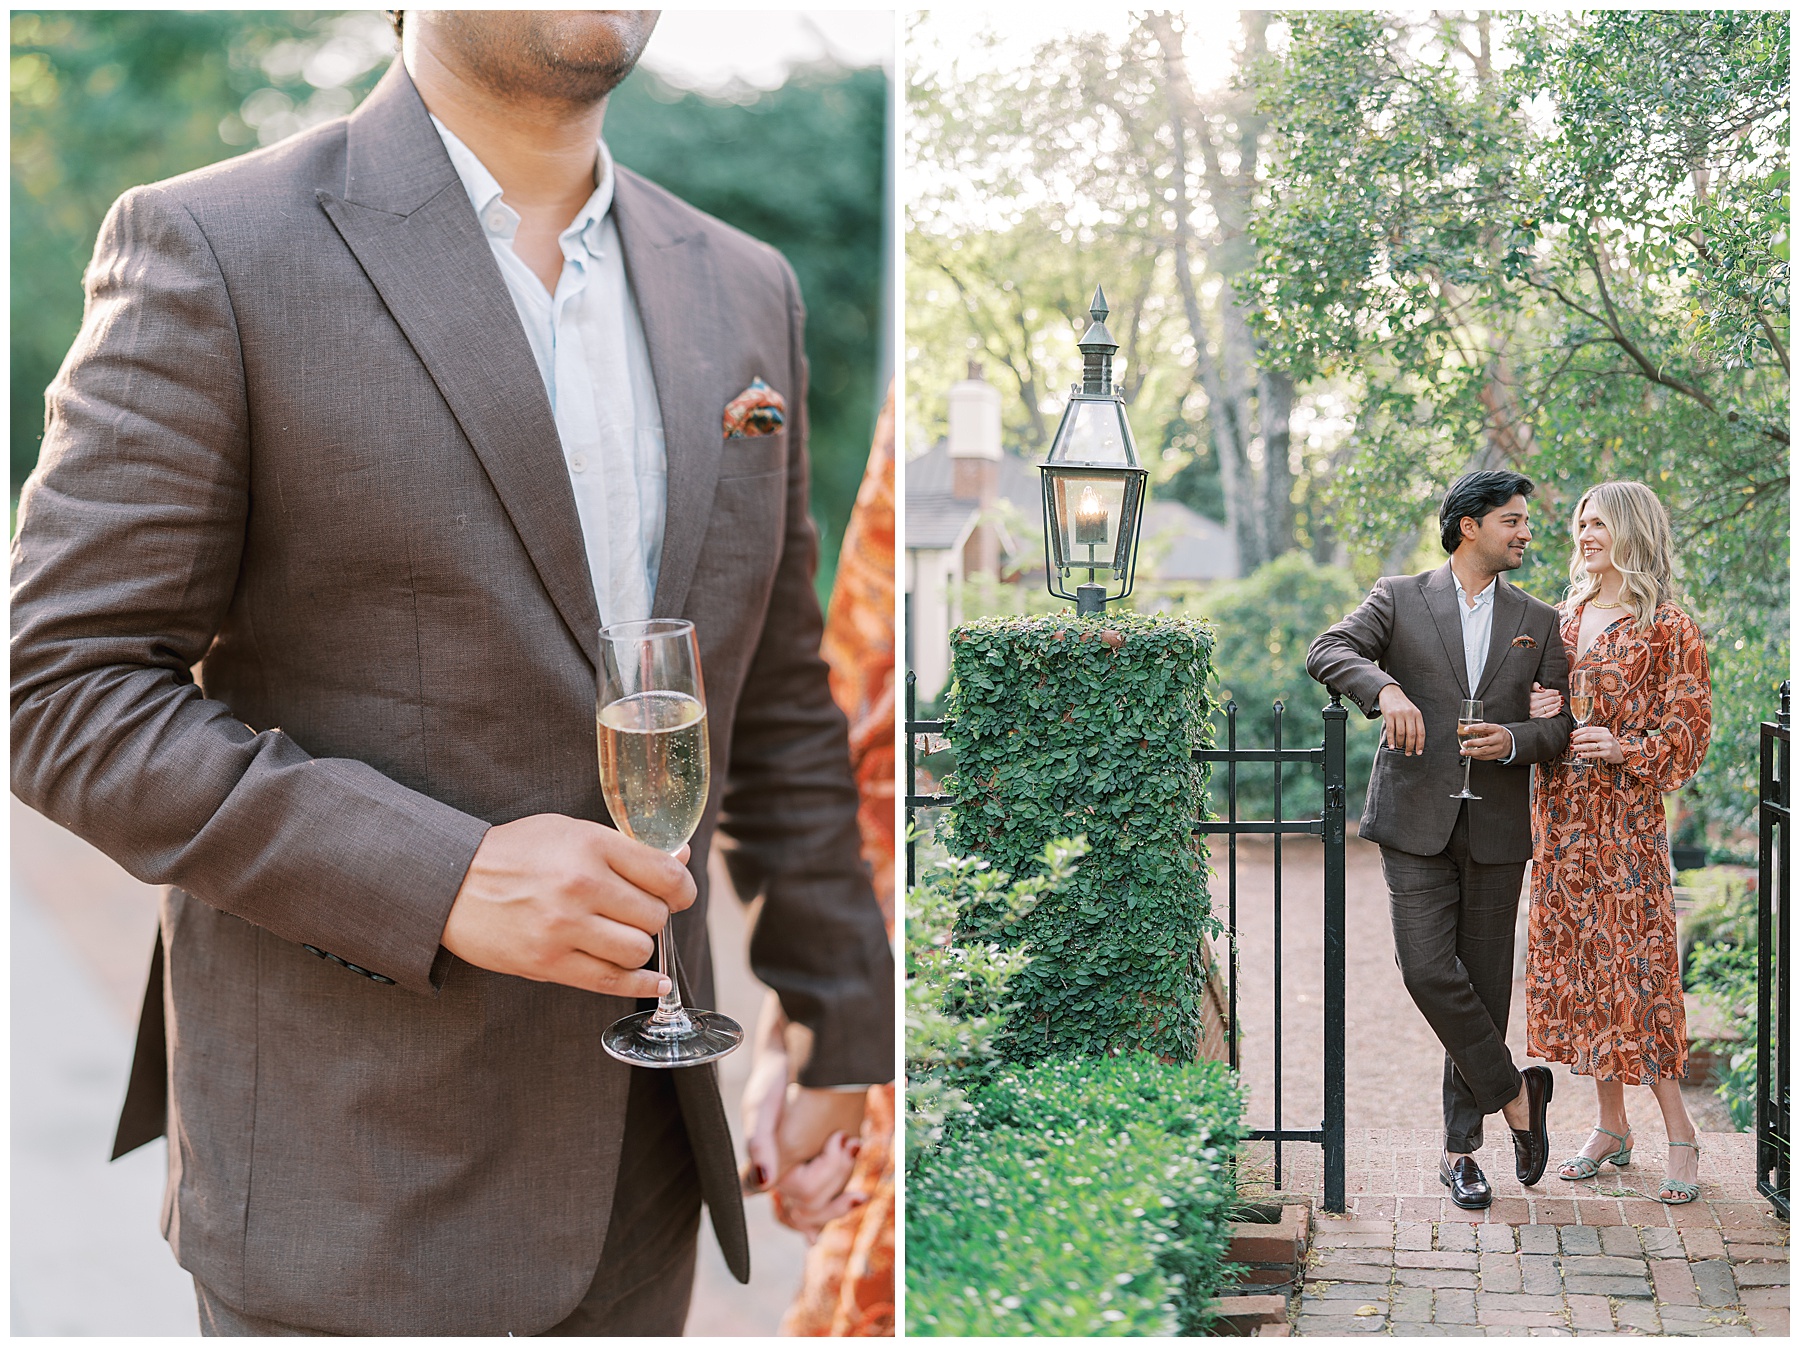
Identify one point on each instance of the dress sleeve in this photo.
(1668, 753)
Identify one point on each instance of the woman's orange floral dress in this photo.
(1603, 970)
(848, 1291)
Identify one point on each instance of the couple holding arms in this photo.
(1603, 988)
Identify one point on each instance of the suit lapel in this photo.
(670, 269)
(1509, 616)
(406, 217)
(1441, 601)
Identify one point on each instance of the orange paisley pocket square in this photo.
(758, 410)
(1524, 643)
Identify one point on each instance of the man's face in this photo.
(1499, 540)
(573, 56)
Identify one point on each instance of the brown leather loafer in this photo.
(1531, 1147)
(1467, 1184)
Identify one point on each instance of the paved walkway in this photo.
(1598, 1256)
(86, 1256)
(1593, 1257)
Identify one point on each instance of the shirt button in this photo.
(578, 462)
(496, 219)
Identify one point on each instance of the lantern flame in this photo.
(1090, 520)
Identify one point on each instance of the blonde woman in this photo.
(1603, 979)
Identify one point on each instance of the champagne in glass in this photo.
(654, 771)
(1468, 717)
(653, 766)
(1581, 707)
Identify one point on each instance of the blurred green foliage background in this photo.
(105, 100)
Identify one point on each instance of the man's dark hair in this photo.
(1476, 495)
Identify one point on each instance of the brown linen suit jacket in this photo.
(302, 448)
(1408, 632)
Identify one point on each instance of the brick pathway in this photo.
(1561, 1258)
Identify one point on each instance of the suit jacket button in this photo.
(386, 982)
(314, 949)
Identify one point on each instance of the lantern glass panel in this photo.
(1094, 431)
(1088, 509)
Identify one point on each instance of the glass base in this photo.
(1463, 795)
(634, 1039)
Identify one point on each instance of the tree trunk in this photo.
(1234, 477)
(1227, 409)
(1274, 404)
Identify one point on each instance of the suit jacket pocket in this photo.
(753, 455)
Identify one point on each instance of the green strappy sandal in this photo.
(1585, 1166)
(1684, 1192)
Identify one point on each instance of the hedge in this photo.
(1078, 1197)
(1065, 726)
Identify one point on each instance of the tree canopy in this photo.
(1557, 243)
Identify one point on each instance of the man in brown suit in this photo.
(1411, 652)
(304, 627)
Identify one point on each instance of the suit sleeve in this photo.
(1670, 751)
(790, 804)
(130, 536)
(1345, 656)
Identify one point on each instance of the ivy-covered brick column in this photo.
(1066, 727)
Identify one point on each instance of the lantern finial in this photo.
(1097, 347)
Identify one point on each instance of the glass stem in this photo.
(669, 1012)
(1468, 762)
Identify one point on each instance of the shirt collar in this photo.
(500, 220)
(1486, 595)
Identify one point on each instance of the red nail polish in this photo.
(759, 1176)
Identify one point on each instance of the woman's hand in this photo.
(1545, 702)
(1596, 741)
(802, 1144)
(812, 1195)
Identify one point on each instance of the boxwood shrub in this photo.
(956, 980)
(1066, 726)
(1077, 1197)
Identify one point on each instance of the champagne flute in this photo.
(1581, 707)
(1468, 716)
(654, 773)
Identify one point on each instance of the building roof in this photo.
(1179, 544)
(936, 521)
(937, 518)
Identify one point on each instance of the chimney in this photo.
(975, 461)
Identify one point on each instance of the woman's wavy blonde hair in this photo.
(1643, 548)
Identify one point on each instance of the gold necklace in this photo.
(1595, 603)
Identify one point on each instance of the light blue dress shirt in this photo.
(589, 344)
(1477, 632)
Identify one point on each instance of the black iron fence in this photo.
(1328, 757)
(1329, 827)
(1772, 1134)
